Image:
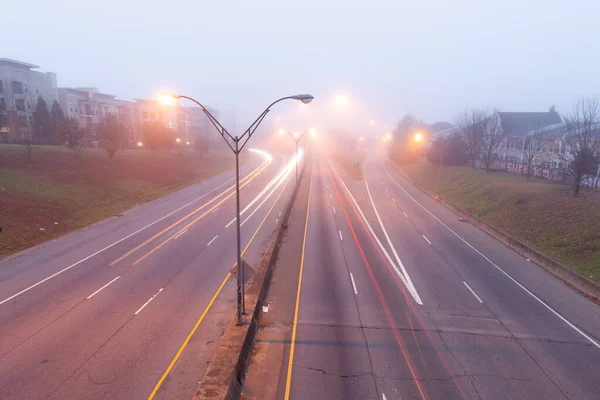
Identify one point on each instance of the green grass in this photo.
(51, 192)
(541, 213)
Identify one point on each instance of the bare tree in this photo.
(29, 145)
(533, 148)
(493, 136)
(471, 124)
(582, 140)
(75, 139)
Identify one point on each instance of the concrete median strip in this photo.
(225, 376)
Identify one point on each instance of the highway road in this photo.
(395, 298)
(131, 308)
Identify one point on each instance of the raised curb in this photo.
(585, 285)
(226, 373)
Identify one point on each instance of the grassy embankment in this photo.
(52, 193)
(540, 213)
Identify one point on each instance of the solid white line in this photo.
(576, 329)
(276, 181)
(333, 209)
(180, 234)
(408, 280)
(394, 199)
(148, 302)
(386, 189)
(353, 283)
(383, 396)
(425, 237)
(215, 210)
(329, 196)
(404, 214)
(410, 288)
(97, 291)
(472, 291)
(111, 245)
(289, 176)
(213, 239)
(340, 232)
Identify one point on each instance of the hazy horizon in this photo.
(430, 59)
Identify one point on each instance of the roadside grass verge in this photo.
(543, 214)
(50, 191)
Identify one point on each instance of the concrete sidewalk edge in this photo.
(566, 274)
(226, 373)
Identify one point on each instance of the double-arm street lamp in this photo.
(236, 144)
(297, 137)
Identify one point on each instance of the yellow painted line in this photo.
(173, 236)
(254, 172)
(187, 340)
(288, 381)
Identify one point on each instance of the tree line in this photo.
(53, 127)
(479, 137)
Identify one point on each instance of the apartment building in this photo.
(188, 122)
(20, 88)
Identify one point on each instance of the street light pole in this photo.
(240, 268)
(237, 148)
(297, 140)
(440, 170)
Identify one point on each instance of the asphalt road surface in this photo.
(131, 308)
(398, 299)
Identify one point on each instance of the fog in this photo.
(428, 58)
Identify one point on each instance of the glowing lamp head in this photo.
(167, 99)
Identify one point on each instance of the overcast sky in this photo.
(429, 58)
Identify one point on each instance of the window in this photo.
(1, 87)
(17, 87)
(2, 105)
(561, 165)
(26, 88)
(3, 120)
(153, 115)
(20, 104)
(31, 120)
(28, 105)
(37, 89)
(22, 121)
(145, 114)
(519, 145)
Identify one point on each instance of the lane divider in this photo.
(382, 300)
(110, 245)
(148, 302)
(288, 379)
(542, 302)
(252, 175)
(472, 291)
(98, 291)
(210, 304)
(408, 284)
(168, 240)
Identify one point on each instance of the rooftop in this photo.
(519, 123)
(7, 62)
